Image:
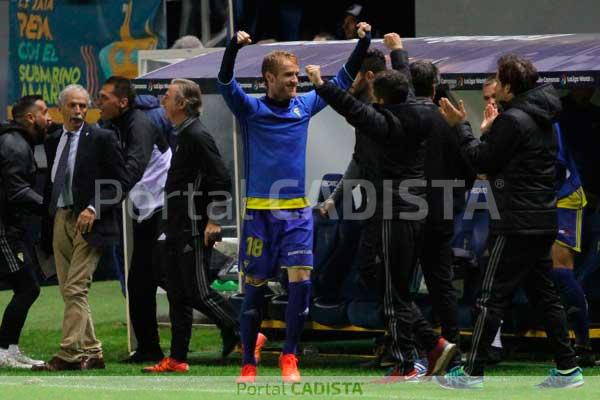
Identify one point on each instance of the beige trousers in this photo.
(76, 262)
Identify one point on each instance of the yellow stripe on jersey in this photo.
(574, 201)
(255, 203)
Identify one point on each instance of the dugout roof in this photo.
(464, 61)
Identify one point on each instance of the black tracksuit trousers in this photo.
(436, 264)
(189, 288)
(143, 280)
(519, 260)
(402, 242)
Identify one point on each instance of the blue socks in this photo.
(250, 319)
(295, 314)
(572, 293)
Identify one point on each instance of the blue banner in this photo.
(54, 43)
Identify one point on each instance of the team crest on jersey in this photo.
(296, 111)
(21, 257)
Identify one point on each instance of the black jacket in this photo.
(138, 135)
(519, 156)
(98, 157)
(17, 178)
(400, 135)
(443, 161)
(196, 165)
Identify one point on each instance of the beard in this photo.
(361, 92)
(40, 134)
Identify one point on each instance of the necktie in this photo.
(62, 174)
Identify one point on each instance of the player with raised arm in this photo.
(278, 227)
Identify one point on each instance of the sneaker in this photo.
(585, 356)
(8, 361)
(17, 355)
(168, 364)
(421, 367)
(248, 374)
(289, 368)
(556, 380)
(494, 355)
(231, 340)
(397, 375)
(261, 340)
(439, 358)
(457, 378)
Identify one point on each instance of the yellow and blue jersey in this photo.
(570, 192)
(274, 141)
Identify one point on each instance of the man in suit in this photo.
(86, 169)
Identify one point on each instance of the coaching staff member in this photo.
(519, 157)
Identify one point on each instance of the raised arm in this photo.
(399, 58)
(357, 56)
(488, 156)
(237, 100)
(358, 114)
(347, 73)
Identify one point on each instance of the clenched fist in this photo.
(314, 74)
(392, 41)
(362, 29)
(243, 38)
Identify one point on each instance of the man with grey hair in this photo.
(188, 42)
(197, 185)
(86, 170)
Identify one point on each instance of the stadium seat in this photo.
(366, 314)
(329, 313)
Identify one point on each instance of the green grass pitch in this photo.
(326, 375)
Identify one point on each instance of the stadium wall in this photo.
(505, 17)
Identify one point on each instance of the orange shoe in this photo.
(261, 340)
(289, 368)
(248, 374)
(168, 364)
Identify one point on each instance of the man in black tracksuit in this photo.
(17, 198)
(519, 157)
(147, 159)
(401, 135)
(363, 166)
(197, 186)
(443, 167)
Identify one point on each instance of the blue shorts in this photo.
(273, 239)
(569, 228)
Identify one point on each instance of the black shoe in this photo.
(231, 339)
(495, 355)
(141, 357)
(585, 356)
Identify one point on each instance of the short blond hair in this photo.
(273, 61)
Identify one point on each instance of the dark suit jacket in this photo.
(99, 157)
